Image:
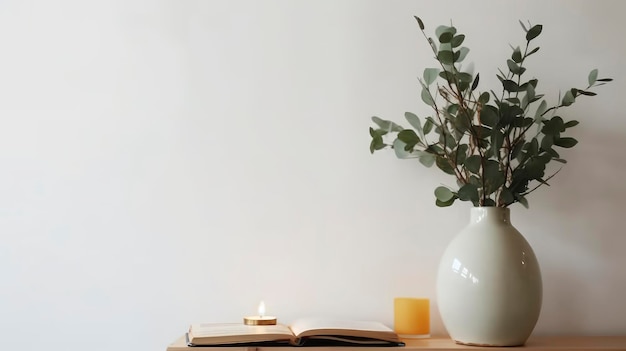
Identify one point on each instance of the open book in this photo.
(304, 332)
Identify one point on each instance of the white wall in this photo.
(163, 163)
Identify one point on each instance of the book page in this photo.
(306, 327)
(234, 329)
(236, 333)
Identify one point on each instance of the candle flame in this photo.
(261, 309)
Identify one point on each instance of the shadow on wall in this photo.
(583, 244)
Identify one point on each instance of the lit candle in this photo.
(261, 319)
(412, 317)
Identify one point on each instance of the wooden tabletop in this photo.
(539, 343)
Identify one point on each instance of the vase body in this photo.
(489, 288)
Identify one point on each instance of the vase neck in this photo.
(490, 215)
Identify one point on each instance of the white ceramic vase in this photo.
(489, 287)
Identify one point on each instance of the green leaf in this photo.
(522, 200)
(515, 68)
(494, 178)
(377, 132)
(443, 194)
(457, 40)
(415, 122)
(427, 98)
(534, 32)
(427, 159)
(543, 106)
(517, 55)
(419, 22)
(497, 139)
(468, 192)
(399, 148)
(530, 92)
(475, 83)
(387, 125)
(444, 165)
(409, 137)
(571, 124)
(444, 204)
(463, 51)
(532, 51)
(506, 196)
(448, 76)
(516, 150)
(547, 141)
(510, 86)
(445, 37)
(587, 93)
(377, 143)
(446, 57)
(465, 77)
(533, 147)
(428, 125)
(568, 99)
(442, 29)
(472, 164)
(593, 76)
(566, 142)
(489, 116)
(484, 97)
(461, 154)
(430, 75)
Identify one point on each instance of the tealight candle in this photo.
(261, 319)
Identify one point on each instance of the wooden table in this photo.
(539, 343)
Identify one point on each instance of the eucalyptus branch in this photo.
(485, 146)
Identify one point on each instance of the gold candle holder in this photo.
(261, 319)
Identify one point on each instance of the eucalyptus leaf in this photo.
(568, 98)
(517, 55)
(387, 125)
(468, 192)
(419, 22)
(415, 123)
(427, 159)
(444, 204)
(593, 76)
(463, 51)
(522, 200)
(473, 163)
(444, 165)
(430, 75)
(446, 57)
(532, 51)
(428, 125)
(506, 196)
(543, 106)
(427, 97)
(457, 40)
(534, 32)
(445, 37)
(475, 82)
(399, 148)
(409, 137)
(510, 86)
(443, 194)
(566, 142)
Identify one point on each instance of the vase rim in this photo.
(491, 213)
